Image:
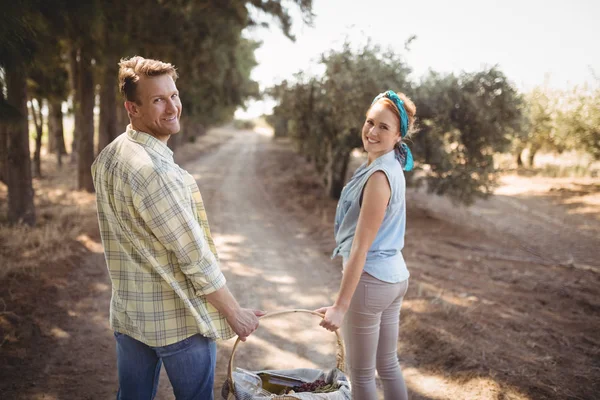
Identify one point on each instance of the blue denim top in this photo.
(384, 258)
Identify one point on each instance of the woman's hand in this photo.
(376, 196)
(334, 316)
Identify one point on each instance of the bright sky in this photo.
(530, 40)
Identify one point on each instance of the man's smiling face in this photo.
(157, 108)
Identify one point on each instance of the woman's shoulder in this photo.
(391, 168)
(390, 175)
(378, 177)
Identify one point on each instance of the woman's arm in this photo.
(376, 197)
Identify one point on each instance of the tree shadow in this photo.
(477, 309)
(63, 346)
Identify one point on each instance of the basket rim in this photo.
(340, 351)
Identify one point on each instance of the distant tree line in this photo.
(52, 51)
(561, 120)
(463, 119)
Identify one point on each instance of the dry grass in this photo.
(571, 164)
(297, 188)
(514, 328)
(52, 274)
(473, 325)
(63, 214)
(49, 242)
(27, 254)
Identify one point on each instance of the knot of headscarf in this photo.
(403, 153)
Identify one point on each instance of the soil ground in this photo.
(503, 300)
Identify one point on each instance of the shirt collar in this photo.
(382, 159)
(388, 157)
(150, 141)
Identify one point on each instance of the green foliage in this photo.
(244, 124)
(465, 119)
(20, 25)
(48, 76)
(202, 38)
(578, 120)
(562, 120)
(540, 131)
(324, 115)
(276, 9)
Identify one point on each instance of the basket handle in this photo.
(340, 352)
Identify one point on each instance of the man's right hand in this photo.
(244, 321)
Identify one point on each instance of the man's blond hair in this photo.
(131, 69)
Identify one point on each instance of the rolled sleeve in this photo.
(214, 282)
(164, 204)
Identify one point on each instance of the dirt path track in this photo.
(494, 309)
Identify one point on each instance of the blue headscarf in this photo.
(403, 153)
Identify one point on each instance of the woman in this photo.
(369, 230)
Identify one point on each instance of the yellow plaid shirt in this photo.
(157, 244)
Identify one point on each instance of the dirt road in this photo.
(484, 318)
(546, 218)
(269, 265)
(268, 261)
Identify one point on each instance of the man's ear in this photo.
(131, 107)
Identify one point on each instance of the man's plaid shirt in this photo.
(158, 247)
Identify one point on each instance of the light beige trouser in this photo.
(370, 333)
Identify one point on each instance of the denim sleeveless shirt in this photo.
(384, 258)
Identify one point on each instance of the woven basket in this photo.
(340, 352)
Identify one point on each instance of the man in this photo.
(169, 299)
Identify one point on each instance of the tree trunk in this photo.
(186, 132)
(280, 128)
(3, 152)
(108, 104)
(55, 129)
(85, 113)
(122, 116)
(74, 73)
(532, 152)
(519, 155)
(51, 145)
(199, 129)
(336, 168)
(174, 142)
(38, 121)
(191, 129)
(20, 190)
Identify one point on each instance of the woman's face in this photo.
(381, 131)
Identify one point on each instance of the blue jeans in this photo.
(190, 365)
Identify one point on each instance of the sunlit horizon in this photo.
(532, 42)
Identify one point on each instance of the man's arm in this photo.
(243, 321)
(162, 205)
